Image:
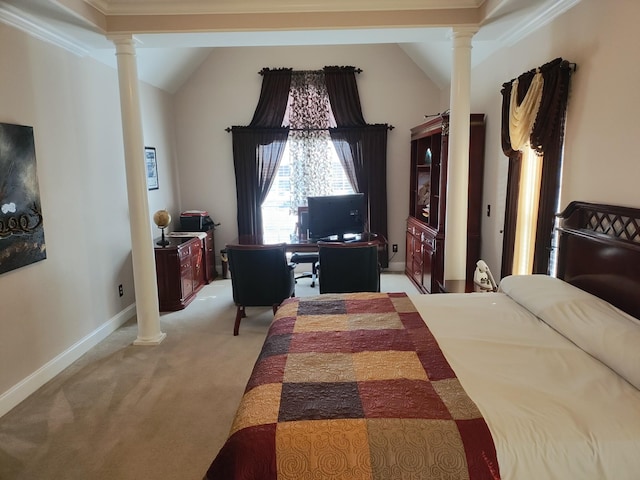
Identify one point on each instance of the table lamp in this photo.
(162, 219)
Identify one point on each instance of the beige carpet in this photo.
(140, 412)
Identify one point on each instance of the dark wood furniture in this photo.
(208, 249)
(600, 252)
(425, 234)
(180, 271)
(210, 257)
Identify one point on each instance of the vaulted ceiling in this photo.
(175, 36)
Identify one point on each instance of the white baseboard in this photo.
(20, 391)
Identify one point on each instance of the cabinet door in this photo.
(209, 258)
(418, 271)
(427, 263)
(197, 264)
(408, 261)
(186, 270)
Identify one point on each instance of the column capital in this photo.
(462, 35)
(124, 42)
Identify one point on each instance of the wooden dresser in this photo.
(180, 271)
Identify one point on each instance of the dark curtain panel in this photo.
(547, 138)
(343, 96)
(365, 159)
(513, 184)
(257, 150)
(374, 151)
(274, 96)
(256, 157)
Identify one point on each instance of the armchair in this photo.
(348, 267)
(260, 276)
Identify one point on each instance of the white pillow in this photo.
(597, 327)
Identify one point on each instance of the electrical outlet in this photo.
(394, 247)
(120, 290)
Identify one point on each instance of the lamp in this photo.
(162, 219)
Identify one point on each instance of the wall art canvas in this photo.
(21, 226)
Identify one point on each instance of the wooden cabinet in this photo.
(210, 257)
(424, 262)
(180, 270)
(208, 251)
(425, 235)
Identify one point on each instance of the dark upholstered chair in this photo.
(260, 277)
(305, 257)
(348, 267)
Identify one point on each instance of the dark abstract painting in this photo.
(21, 228)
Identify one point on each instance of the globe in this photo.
(162, 218)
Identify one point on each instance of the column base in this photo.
(150, 341)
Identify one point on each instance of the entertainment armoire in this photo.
(425, 236)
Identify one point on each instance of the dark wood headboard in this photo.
(599, 252)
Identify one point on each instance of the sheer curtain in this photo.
(533, 117)
(309, 115)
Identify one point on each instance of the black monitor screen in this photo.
(336, 215)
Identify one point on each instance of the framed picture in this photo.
(152, 168)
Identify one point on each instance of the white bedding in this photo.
(555, 412)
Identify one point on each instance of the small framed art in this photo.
(152, 168)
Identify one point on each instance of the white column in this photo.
(455, 247)
(144, 267)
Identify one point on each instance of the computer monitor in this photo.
(336, 215)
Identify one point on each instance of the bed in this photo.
(539, 380)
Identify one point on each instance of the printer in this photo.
(196, 221)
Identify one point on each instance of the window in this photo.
(528, 200)
(279, 211)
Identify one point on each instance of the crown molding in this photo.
(544, 15)
(181, 7)
(18, 19)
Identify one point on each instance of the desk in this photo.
(306, 246)
(294, 245)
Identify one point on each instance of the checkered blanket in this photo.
(354, 386)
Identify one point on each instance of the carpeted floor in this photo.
(137, 412)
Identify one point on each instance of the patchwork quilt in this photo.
(354, 386)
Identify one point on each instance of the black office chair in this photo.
(305, 257)
(346, 267)
(260, 277)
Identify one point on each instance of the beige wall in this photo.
(53, 310)
(602, 131)
(225, 91)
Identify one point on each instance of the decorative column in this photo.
(144, 267)
(455, 247)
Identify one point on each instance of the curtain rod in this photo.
(299, 72)
(314, 129)
(572, 66)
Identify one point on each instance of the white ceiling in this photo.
(175, 36)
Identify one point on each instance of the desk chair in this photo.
(346, 267)
(260, 277)
(302, 227)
